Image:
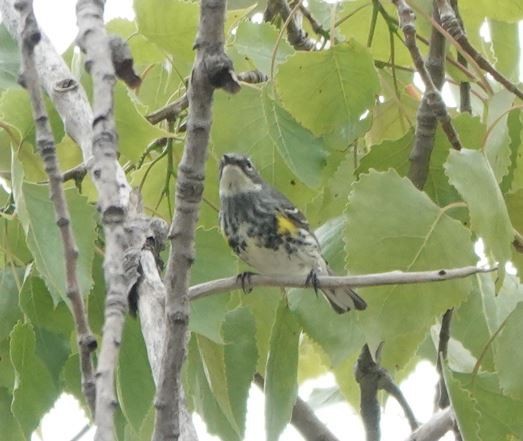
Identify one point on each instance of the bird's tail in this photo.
(343, 299)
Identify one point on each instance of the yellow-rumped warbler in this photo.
(269, 233)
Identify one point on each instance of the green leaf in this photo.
(45, 243)
(213, 357)
(7, 374)
(509, 362)
(257, 40)
(339, 86)
(469, 326)
(240, 356)
(281, 387)
(10, 278)
(204, 399)
(337, 334)
(8, 422)
(393, 226)
(9, 60)
(240, 125)
(37, 304)
(464, 406)
(483, 412)
(134, 380)
(497, 145)
(252, 122)
(505, 42)
(35, 392)
(53, 349)
(213, 260)
(135, 133)
(470, 172)
(263, 304)
(172, 26)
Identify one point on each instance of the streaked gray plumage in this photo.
(268, 232)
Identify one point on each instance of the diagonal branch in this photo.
(304, 419)
(464, 86)
(30, 37)
(296, 35)
(440, 423)
(451, 24)
(389, 278)
(433, 96)
(212, 69)
(172, 110)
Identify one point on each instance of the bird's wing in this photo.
(288, 209)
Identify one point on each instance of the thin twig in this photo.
(113, 199)
(212, 69)
(81, 433)
(30, 36)
(172, 111)
(434, 98)
(296, 35)
(169, 112)
(390, 278)
(442, 396)
(451, 24)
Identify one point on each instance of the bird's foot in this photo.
(312, 281)
(245, 281)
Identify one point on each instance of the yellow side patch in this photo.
(285, 225)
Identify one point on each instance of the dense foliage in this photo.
(332, 129)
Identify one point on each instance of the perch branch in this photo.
(113, 198)
(389, 278)
(212, 69)
(30, 36)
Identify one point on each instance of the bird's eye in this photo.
(248, 165)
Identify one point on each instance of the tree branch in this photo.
(113, 199)
(212, 69)
(67, 95)
(425, 117)
(464, 86)
(30, 37)
(304, 419)
(295, 34)
(390, 278)
(451, 24)
(440, 423)
(442, 397)
(172, 110)
(367, 375)
(433, 96)
(371, 378)
(149, 236)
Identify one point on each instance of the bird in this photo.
(265, 230)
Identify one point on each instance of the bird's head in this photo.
(238, 175)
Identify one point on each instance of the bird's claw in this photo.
(245, 281)
(312, 281)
